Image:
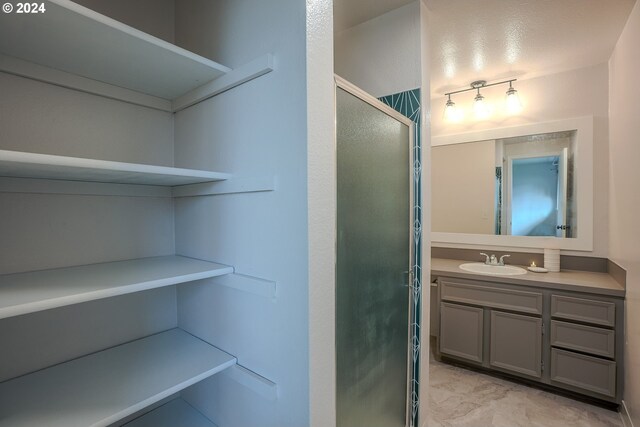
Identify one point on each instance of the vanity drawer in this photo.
(506, 299)
(584, 372)
(583, 310)
(588, 339)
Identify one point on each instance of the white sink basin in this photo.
(493, 270)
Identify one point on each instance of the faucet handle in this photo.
(501, 262)
(486, 261)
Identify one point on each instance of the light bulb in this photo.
(514, 106)
(451, 112)
(480, 108)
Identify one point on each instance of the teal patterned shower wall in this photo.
(408, 104)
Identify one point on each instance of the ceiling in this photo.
(497, 39)
(348, 13)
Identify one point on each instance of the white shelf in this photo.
(46, 166)
(176, 413)
(41, 290)
(71, 38)
(107, 386)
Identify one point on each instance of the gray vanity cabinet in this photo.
(495, 327)
(564, 339)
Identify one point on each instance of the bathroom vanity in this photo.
(564, 330)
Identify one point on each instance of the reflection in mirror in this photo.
(520, 186)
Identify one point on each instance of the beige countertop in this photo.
(567, 280)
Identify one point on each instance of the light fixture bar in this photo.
(480, 84)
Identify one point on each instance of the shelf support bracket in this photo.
(254, 69)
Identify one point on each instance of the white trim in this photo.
(242, 282)
(374, 102)
(81, 188)
(247, 72)
(625, 416)
(234, 185)
(252, 70)
(259, 384)
(584, 166)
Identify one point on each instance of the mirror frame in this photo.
(584, 167)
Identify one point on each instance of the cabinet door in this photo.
(516, 343)
(461, 331)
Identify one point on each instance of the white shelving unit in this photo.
(33, 291)
(45, 166)
(104, 387)
(112, 59)
(74, 47)
(173, 414)
(71, 38)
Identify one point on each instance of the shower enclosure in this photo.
(374, 259)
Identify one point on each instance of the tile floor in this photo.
(463, 398)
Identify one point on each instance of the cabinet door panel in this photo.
(516, 343)
(461, 331)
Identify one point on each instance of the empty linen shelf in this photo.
(105, 387)
(47, 166)
(33, 291)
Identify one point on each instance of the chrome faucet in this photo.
(493, 260)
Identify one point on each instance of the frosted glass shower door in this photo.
(373, 261)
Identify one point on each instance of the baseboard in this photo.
(624, 414)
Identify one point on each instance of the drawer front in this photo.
(588, 339)
(584, 372)
(507, 299)
(583, 310)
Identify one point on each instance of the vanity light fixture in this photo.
(451, 112)
(514, 106)
(481, 109)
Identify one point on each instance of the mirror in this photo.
(524, 186)
(521, 186)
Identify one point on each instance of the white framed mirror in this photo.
(526, 186)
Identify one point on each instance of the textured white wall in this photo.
(425, 108)
(382, 56)
(624, 203)
(576, 93)
(322, 211)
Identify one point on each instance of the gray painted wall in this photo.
(41, 231)
(43, 118)
(256, 129)
(154, 17)
(38, 340)
(624, 203)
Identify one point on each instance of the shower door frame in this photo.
(341, 83)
